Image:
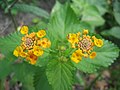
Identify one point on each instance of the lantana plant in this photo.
(57, 50)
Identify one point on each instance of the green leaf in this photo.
(10, 64)
(116, 9)
(63, 20)
(91, 15)
(85, 25)
(32, 9)
(105, 57)
(60, 75)
(101, 5)
(43, 60)
(24, 72)
(4, 68)
(90, 11)
(114, 31)
(40, 80)
(9, 43)
(117, 17)
(80, 5)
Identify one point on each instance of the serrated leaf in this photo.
(8, 43)
(6, 65)
(32, 9)
(60, 75)
(62, 21)
(114, 31)
(4, 70)
(105, 57)
(40, 80)
(10, 65)
(86, 67)
(24, 72)
(21, 71)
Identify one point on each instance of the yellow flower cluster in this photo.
(84, 45)
(32, 45)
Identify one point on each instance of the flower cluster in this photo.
(32, 45)
(84, 45)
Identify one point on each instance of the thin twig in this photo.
(93, 82)
(11, 5)
(0, 84)
(9, 11)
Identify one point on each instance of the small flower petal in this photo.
(98, 42)
(24, 30)
(37, 51)
(93, 55)
(45, 43)
(16, 53)
(41, 33)
(85, 31)
(77, 56)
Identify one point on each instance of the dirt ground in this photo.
(6, 24)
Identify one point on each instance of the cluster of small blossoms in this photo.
(32, 45)
(84, 45)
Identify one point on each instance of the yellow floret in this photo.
(41, 33)
(85, 31)
(24, 30)
(17, 51)
(77, 56)
(45, 43)
(93, 55)
(98, 42)
(73, 38)
(37, 51)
